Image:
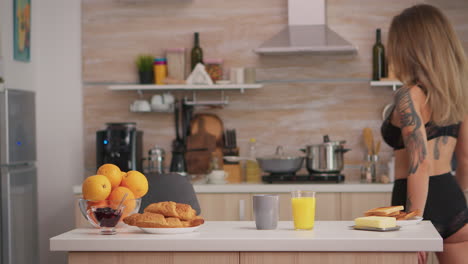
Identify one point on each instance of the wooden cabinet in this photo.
(226, 206)
(355, 204)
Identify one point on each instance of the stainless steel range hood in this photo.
(306, 32)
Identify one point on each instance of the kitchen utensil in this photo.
(198, 161)
(187, 113)
(121, 201)
(326, 157)
(266, 211)
(213, 125)
(230, 143)
(280, 163)
(156, 157)
(368, 140)
(377, 148)
(178, 163)
(369, 169)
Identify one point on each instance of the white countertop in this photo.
(242, 236)
(285, 188)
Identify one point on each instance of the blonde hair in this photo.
(424, 50)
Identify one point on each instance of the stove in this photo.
(303, 178)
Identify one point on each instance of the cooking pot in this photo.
(280, 163)
(326, 157)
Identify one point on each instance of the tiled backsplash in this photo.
(304, 97)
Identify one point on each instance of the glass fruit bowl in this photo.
(105, 214)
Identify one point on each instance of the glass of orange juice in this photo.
(303, 208)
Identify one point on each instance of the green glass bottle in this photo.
(378, 58)
(197, 52)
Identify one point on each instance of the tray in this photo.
(376, 229)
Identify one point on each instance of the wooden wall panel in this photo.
(305, 96)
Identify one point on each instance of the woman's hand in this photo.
(409, 102)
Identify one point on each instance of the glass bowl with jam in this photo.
(107, 215)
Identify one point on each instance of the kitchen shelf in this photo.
(393, 84)
(184, 87)
(189, 88)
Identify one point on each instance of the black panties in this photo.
(445, 206)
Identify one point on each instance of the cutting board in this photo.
(200, 146)
(213, 125)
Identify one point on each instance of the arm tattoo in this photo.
(414, 140)
(436, 146)
(408, 204)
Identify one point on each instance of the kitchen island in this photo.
(240, 242)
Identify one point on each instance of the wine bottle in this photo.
(197, 52)
(378, 58)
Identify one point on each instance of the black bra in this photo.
(392, 134)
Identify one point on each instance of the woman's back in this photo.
(441, 140)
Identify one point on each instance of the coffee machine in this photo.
(120, 144)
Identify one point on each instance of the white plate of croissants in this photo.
(166, 218)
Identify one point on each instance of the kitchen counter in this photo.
(331, 242)
(346, 187)
(242, 236)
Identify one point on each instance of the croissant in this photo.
(165, 208)
(172, 209)
(158, 220)
(166, 215)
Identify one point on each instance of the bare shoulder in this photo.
(414, 95)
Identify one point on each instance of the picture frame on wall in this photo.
(22, 30)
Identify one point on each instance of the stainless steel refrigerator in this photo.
(19, 221)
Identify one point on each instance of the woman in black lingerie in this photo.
(429, 123)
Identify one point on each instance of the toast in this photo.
(406, 216)
(385, 211)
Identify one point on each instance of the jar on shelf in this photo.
(160, 70)
(176, 63)
(214, 68)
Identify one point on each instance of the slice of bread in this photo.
(409, 215)
(385, 211)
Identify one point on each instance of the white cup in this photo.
(140, 106)
(217, 177)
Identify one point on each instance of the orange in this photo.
(136, 182)
(96, 187)
(112, 172)
(116, 196)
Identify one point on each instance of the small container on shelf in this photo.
(160, 70)
(176, 63)
(214, 67)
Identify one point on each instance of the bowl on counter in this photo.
(105, 214)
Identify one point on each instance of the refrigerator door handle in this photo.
(5, 215)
